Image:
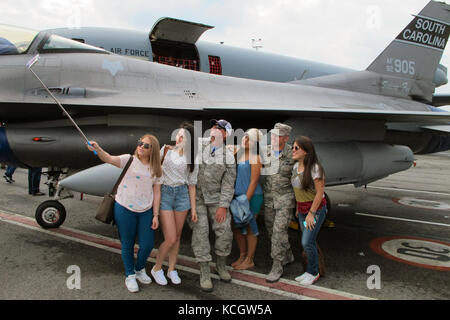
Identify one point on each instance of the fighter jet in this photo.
(366, 125)
(178, 43)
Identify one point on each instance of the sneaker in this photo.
(142, 276)
(173, 276)
(131, 283)
(309, 279)
(159, 277)
(300, 278)
(7, 178)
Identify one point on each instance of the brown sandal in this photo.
(246, 264)
(240, 260)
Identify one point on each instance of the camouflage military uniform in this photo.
(215, 188)
(279, 201)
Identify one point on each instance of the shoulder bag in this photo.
(105, 213)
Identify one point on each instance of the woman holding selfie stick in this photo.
(136, 210)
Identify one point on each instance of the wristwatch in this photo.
(313, 213)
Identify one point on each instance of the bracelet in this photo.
(313, 212)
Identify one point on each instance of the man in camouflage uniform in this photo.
(215, 190)
(279, 198)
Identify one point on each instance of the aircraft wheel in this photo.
(50, 214)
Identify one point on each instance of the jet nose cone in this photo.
(96, 181)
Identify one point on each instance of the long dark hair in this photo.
(189, 151)
(309, 161)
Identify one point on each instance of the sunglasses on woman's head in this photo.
(144, 145)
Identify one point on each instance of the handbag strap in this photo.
(124, 171)
(166, 149)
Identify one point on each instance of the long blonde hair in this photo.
(154, 159)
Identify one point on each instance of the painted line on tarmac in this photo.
(401, 219)
(410, 190)
(284, 287)
(419, 252)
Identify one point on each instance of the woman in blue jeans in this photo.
(308, 181)
(136, 209)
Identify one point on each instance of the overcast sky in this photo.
(347, 33)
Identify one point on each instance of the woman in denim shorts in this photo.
(247, 183)
(177, 197)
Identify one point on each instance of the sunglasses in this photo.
(144, 145)
(295, 148)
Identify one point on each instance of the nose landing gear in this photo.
(51, 213)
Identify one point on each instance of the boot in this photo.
(205, 277)
(276, 272)
(289, 258)
(222, 269)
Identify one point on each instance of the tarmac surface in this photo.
(391, 242)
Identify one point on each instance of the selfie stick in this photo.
(31, 64)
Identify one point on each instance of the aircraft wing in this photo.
(341, 113)
(385, 111)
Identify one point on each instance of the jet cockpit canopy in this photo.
(53, 43)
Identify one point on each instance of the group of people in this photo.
(218, 187)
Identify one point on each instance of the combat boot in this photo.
(205, 277)
(276, 272)
(289, 258)
(222, 269)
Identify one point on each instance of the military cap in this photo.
(224, 124)
(281, 129)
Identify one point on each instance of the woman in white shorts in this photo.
(177, 197)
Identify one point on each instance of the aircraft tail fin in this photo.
(417, 50)
(407, 67)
